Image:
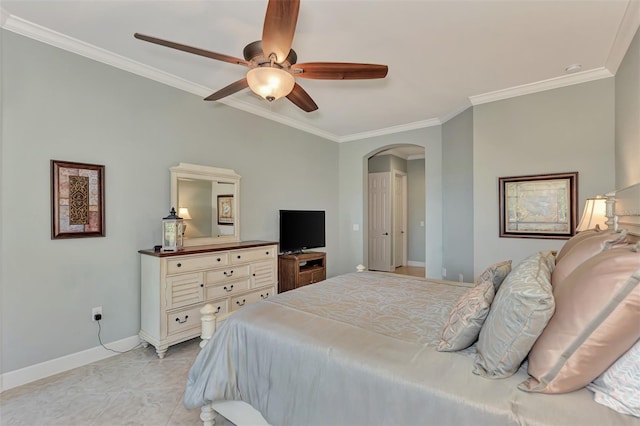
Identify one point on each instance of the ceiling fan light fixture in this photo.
(270, 83)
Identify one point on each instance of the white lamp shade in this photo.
(270, 83)
(594, 215)
(183, 212)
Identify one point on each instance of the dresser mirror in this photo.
(208, 199)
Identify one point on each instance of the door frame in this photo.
(365, 197)
(394, 219)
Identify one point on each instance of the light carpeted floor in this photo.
(136, 388)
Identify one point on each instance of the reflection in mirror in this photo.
(198, 200)
(196, 191)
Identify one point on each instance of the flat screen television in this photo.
(301, 230)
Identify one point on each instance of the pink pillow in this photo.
(574, 240)
(583, 250)
(597, 319)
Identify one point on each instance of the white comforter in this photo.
(358, 349)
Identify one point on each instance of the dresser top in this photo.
(207, 248)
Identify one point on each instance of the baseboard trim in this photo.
(35, 372)
(414, 263)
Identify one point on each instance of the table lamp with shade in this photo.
(594, 215)
(183, 212)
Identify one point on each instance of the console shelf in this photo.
(297, 270)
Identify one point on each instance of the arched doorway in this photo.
(394, 209)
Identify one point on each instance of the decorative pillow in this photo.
(520, 311)
(576, 239)
(466, 318)
(585, 249)
(619, 387)
(495, 273)
(596, 321)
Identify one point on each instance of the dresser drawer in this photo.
(186, 319)
(263, 273)
(227, 274)
(262, 253)
(245, 299)
(226, 289)
(184, 289)
(196, 263)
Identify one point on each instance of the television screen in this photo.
(301, 229)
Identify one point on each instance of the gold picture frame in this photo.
(538, 206)
(77, 200)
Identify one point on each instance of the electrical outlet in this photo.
(96, 313)
(444, 272)
(461, 277)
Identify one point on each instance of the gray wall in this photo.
(457, 196)
(416, 214)
(58, 105)
(628, 117)
(563, 130)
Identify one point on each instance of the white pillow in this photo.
(619, 387)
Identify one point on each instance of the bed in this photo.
(361, 349)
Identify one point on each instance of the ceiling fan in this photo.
(272, 63)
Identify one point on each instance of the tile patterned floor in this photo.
(136, 388)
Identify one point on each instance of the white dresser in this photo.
(175, 285)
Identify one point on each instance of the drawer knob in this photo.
(228, 274)
(179, 265)
(241, 303)
(186, 317)
(201, 285)
(218, 259)
(218, 310)
(267, 253)
(228, 289)
(239, 256)
(254, 274)
(264, 296)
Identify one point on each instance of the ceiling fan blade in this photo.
(301, 99)
(229, 90)
(279, 28)
(191, 49)
(339, 71)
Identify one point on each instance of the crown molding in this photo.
(627, 30)
(453, 113)
(541, 86)
(389, 130)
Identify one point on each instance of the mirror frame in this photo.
(213, 174)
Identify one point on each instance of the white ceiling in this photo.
(443, 56)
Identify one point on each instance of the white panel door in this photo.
(380, 222)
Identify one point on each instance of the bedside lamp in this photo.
(594, 215)
(183, 212)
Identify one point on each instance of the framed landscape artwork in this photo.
(538, 206)
(77, 200)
